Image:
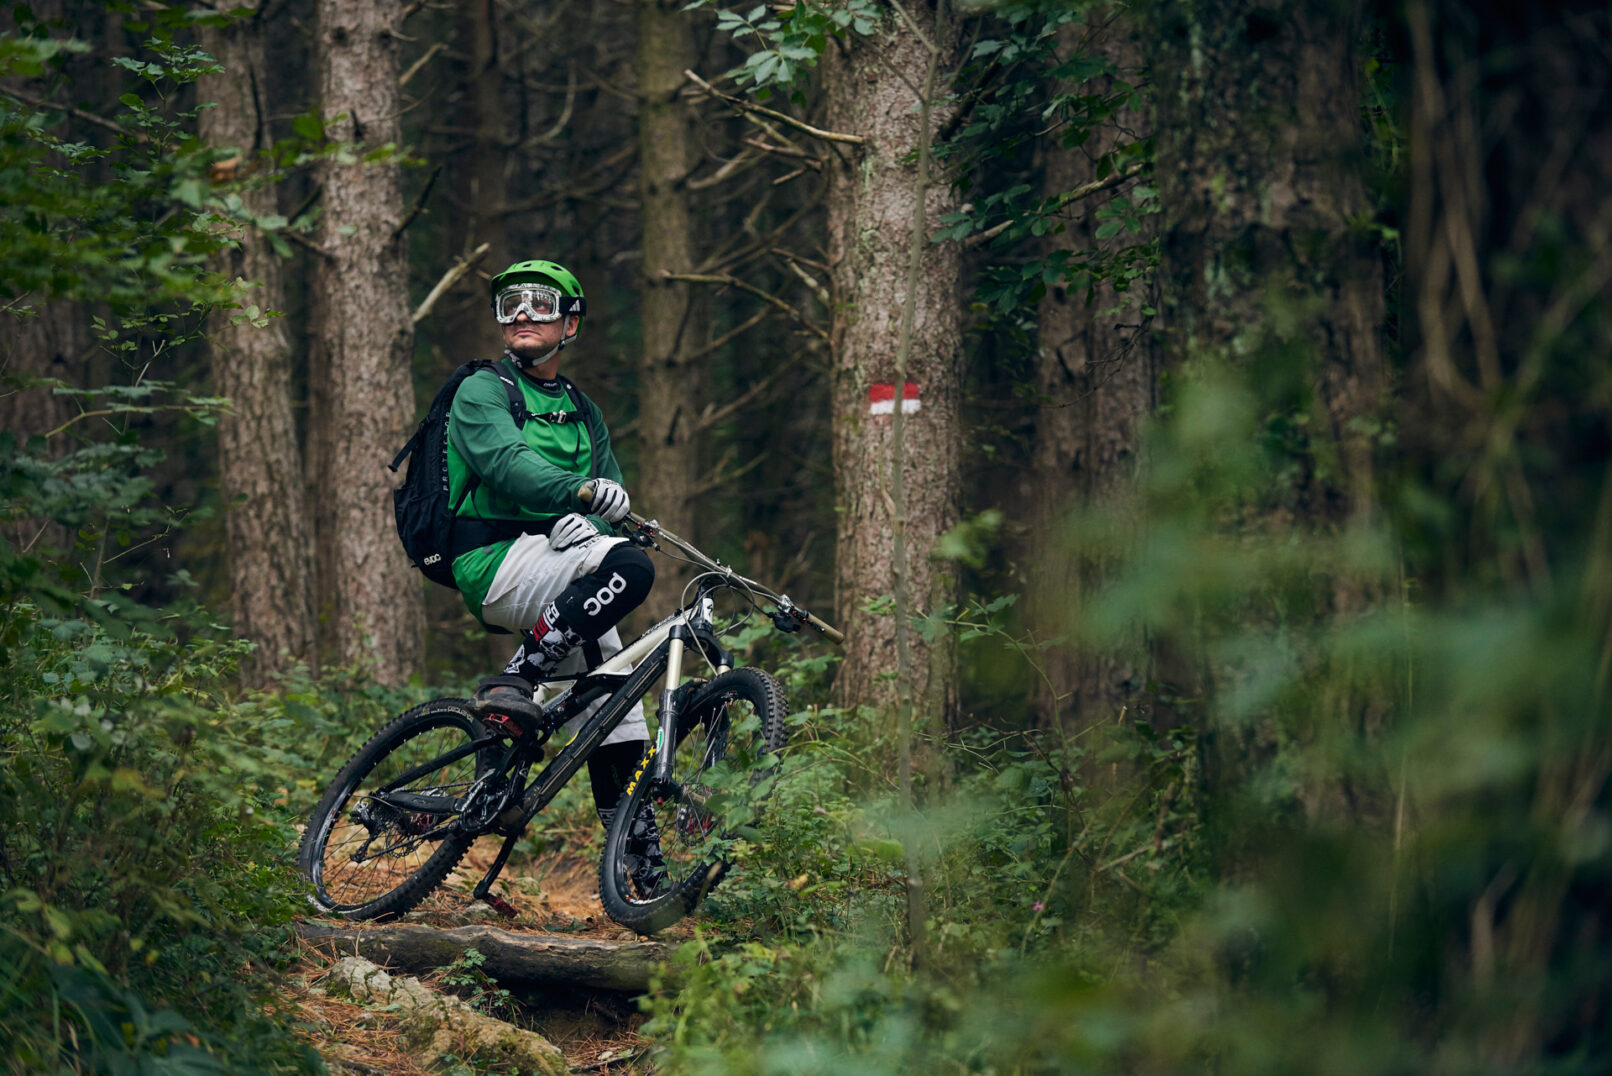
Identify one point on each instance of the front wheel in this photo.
(664, 848)
(386, 832)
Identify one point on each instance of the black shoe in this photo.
(507, 697)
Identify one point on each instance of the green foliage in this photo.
(1029, 852)
(120, 223)
(142, 865)
(787, 45)
(1019, 85)
(144, 869)
(145, 894)
(466, 978)
(1384, 782)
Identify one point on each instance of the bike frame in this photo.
(621, 680)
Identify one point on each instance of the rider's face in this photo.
(531, 338)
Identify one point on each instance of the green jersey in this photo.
(526, 473)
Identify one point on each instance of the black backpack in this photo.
(425, 517)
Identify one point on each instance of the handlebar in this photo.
(834, 635)
(787, 612)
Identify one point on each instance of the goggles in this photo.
(538, 302)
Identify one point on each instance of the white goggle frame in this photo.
(523, 298)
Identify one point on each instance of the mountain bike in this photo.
(404, 810)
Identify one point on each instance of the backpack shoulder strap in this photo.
(408, 447)
(578, 401)
(517, 402)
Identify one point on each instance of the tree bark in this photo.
(1096, 377)
(512, 957)
(872, 91)
(260, 462)
(479, 191)
(1260, 168)
(363, 343)
(670, 384)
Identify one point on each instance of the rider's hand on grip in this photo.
(606, 499)
(569, 530)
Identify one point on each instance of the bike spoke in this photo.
(671, 840)
(377, 841)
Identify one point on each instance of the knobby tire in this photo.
(737, 719)
(368, 861)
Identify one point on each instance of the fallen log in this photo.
(511, 958)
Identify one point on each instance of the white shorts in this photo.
(529, 577)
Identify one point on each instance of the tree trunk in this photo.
(478, 190)
(872, 91)
(260, 463)
(1260, 169)
(363, 341)
(670, 382)
(1096, 378)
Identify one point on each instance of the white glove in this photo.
(610, 502)
(571, 530)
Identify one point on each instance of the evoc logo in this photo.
(605, 596)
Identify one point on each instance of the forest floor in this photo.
(553, 894)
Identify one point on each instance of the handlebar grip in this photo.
(834, 634)
(585, 493)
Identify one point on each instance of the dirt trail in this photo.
(553, 894)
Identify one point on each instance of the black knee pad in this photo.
(596, 602)
(634, 564)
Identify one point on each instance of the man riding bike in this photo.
(529, 556)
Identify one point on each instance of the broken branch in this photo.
(735, 282)
(746, 106)
(449, 279)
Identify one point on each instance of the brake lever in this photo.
(788, 617)
(643, 531)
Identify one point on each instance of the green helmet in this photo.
(557, 276)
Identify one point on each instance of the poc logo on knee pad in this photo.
(595, 605)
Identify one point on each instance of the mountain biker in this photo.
(529, 556)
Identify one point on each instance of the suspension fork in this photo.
(695, 628)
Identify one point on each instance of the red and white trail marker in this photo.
(882, 398)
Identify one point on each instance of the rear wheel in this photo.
(663, 851)
(385, 834)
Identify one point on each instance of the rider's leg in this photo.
(610, 767)
(584, 611)
(585, 607)
(592, 605)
